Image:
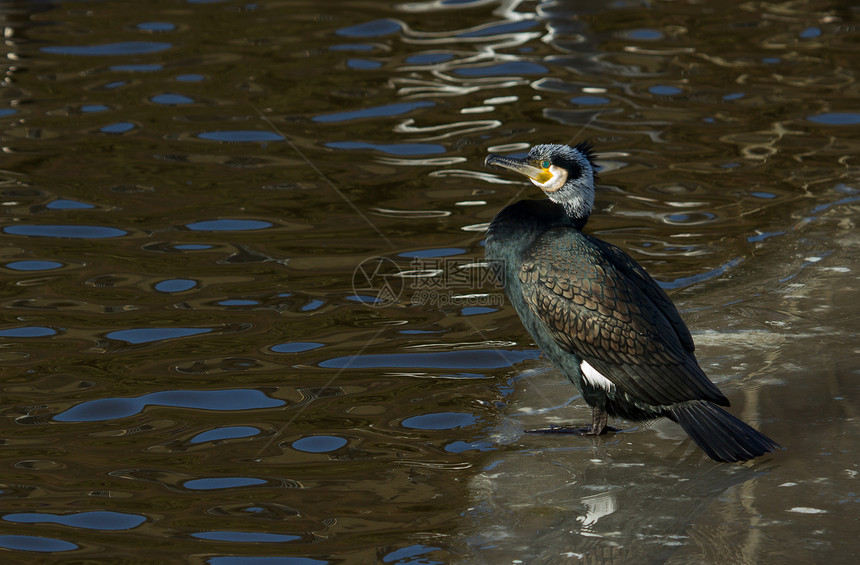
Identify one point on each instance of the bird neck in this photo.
(576, 213)
(576, 198)
(527, 219)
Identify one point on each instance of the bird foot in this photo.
(574, 430)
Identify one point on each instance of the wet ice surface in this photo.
(246, 312)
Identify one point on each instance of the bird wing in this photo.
(649, 286)
(597, 303)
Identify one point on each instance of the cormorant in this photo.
(598, 316)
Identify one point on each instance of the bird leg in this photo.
(599, 418)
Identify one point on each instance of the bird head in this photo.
(565, 174)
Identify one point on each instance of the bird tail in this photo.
(722, 436)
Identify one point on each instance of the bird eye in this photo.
(544, 164)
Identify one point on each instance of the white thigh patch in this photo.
(594, 378)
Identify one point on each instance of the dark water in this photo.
(244, 313)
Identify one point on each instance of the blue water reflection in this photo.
(364, 299)
(92, 108)
(429, 58)
(33, 265)
(464, 446)
(477, 310)
(500, 29)
(682, 282)
(406, 555)
(169, 99)
(175, 285)
(433, 253)
(156, 26)
(223, 483)
(643, 34)
(295, 346)
(229, 225)
(92, 520)
(147, 335)
(352, 47)
(402, 149)
(319, 444)
(240, 136)
(117, 127)
(65, 204)
(764, 235)
(312, 305)
(28, 331)
(590, 100)
(374, 112)
(810, 33)
(504, 69)
(441, 421)
(836, 118)
(465, 359)
(192, 246)
(245, 537)
(227, 432)
(664, 90)
(363, 64)
(71, 232)
(137, 68)
(238, 302)
(257, 560)
(375, 28)
(35, 543)
(217, 400)
(121, 48)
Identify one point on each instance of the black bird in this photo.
(598, 316)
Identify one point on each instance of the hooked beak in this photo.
(520, 166)
(540, 177)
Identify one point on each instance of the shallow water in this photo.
(245, 312)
